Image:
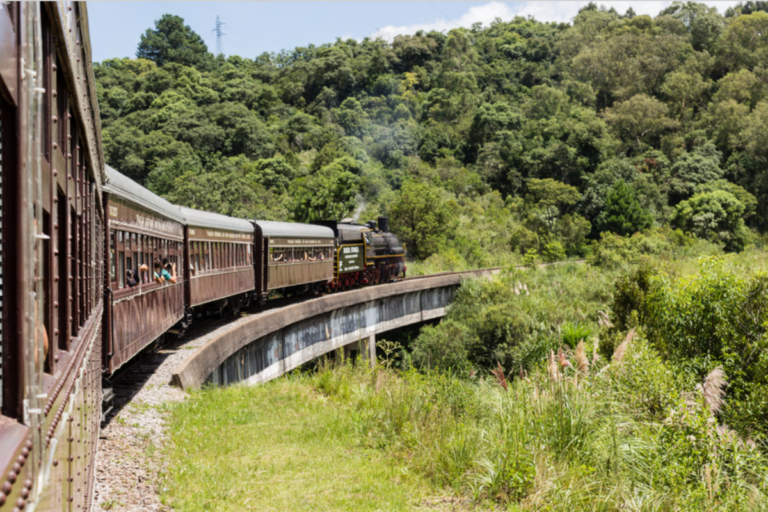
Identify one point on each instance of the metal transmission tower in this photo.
(219, 33)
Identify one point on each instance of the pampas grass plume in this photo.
(618, 355)
(580, 356)
(713, 389)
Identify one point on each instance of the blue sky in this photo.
(256, 27)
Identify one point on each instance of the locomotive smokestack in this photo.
(384, 224)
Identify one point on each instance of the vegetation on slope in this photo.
(541, 136)
(565, 388)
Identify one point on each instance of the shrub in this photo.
(623, 213)
(443, 346)
(629, 296)
(553, 251)
(524, 240)
(717, 317)
(573, 332)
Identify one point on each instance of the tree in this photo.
(755, 134)
(352, 117)
(623, 214)
(748, 200)
(704, 24)
(694, 168)
(716, 216)
(421, 218)
(744, 43)
(173, 41)
(550, 193)
(639, 121)
(327, 195)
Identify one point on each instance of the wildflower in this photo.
(500, 378)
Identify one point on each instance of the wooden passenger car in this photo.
(294, 257)
(220, 255)
(142, 228)
(51, 167)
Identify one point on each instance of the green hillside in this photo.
(520, 137)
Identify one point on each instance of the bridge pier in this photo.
(366, 348)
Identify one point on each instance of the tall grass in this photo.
(573, 442)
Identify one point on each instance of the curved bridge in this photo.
(278, 341)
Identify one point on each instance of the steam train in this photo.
(78, 248)
(220, 264)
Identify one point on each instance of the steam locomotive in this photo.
(78, 248)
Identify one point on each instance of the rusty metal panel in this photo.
(218, 285)
(142, 317)
(294, 274)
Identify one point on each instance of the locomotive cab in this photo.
(365, 254)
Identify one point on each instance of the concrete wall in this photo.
(278, 341)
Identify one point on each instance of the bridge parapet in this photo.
(277, 341)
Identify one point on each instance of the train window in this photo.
(207, 253)
(112, 259)
(121, 269)
(120, 236)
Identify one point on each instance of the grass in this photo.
(278, 447)
(620, 434)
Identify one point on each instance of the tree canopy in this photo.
(523, 125)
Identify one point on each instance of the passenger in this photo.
(133, 277)
(309, 256)
(169, 271)
(320, 255)
(158, 276)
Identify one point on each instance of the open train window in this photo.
(121, 269)
(112, 259)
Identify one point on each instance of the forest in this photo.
(482, 144)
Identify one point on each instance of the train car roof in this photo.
(210, 220)
(125, 188)
(271, 229)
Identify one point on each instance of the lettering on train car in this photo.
(351, 259)
(136, 218)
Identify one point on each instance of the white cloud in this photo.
(559, 11)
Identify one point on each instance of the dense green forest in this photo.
(519, 137)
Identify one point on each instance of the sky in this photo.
(252, 28)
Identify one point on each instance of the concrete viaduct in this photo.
(280, 340)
